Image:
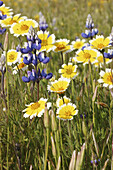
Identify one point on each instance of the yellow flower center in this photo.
(68, 113)
(24, 27)
(13, 21)
(21, 65)
(2, 12)
(87, 55)
(35, 106)
(100, 46)
(69, 70)
(11, 57)
(44, 43)
(60, 89)
(61, 46)
(78, 45)
(109, 78)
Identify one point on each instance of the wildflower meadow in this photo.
(56, 81)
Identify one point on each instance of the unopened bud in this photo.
(46, 117)
(59, 163)
(53, 146)
(53, 120)
(6, 42)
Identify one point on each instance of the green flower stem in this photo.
(47, 146)
(7, 80)
(38, 90)
(57, 144)
(62, 58)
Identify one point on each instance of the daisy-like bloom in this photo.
(12, 19)
(86, 55)
(68, 71)
(67, 111)
(61, 45)
(13, 57)
(61, 101)
(5, 10)
(107, 78)
(78, 44)
(100, 43)
(22, 27)
(36, 109)
(47, 40)
(100, 61)
(59, 86)
(20, 66)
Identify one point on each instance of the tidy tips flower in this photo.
(59, 86)
(100, 61)
(13, 57)
(20, 66)
(78, 43)
(36, 109)
(46, 40)
(68, 71)
(61, 101)
(100, 43)
(22, 27)
(10, 20)
(86, 55)
(61, 45)
(5, 10)
(107, 78)
(66, 111)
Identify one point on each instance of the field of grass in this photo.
(48, 142)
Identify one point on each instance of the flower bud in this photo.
(6, 42)
(46, 117)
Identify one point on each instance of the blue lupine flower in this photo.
(109, 54)
(45, 75)
(2, 17)
(87, 34)
(49, 76)
(1, 3)
(43, 59)
(42, 23)
(89, 22)
(2, 31)
(33, 76)
(27, 79)
(28, 59)
(29, 48)
(34, 61)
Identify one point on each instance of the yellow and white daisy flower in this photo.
(61, 101)
(78, 44)
(100, 61)
(100, 42)
(11, 19)
(36, 109)
(20, 66)
(5, 10)
(47, 40)
(59, 86)
(22, 27)
(13, 57)
(66, 111)
(68, 71)
(107, 78)
(61, 45)
(87, 55)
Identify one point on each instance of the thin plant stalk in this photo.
(7, 83)
(47, 146)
